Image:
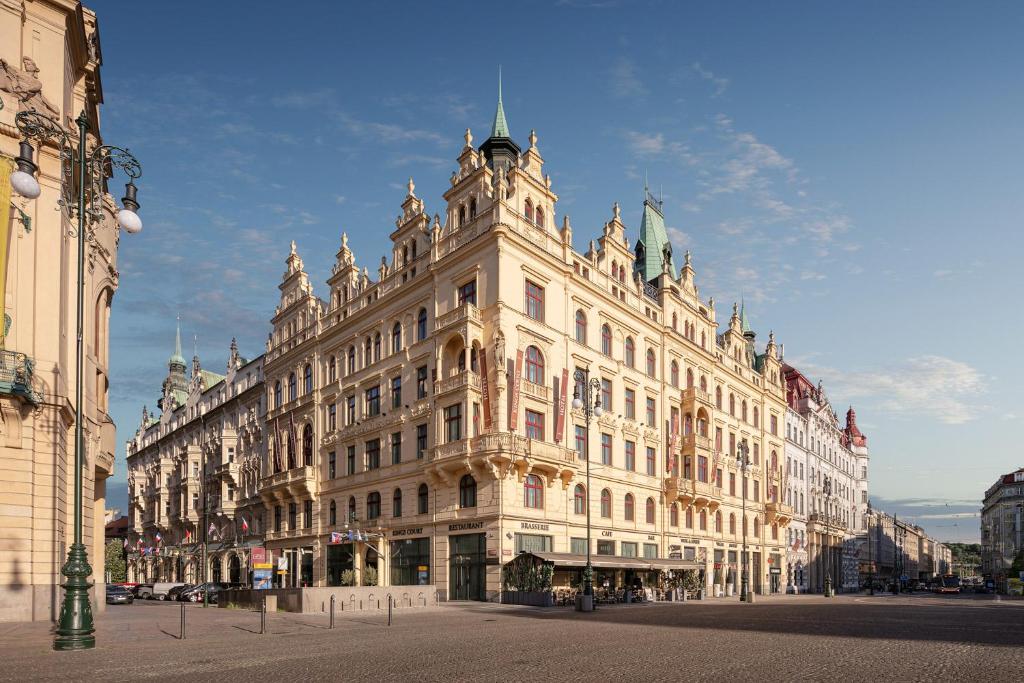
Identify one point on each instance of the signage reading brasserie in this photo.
(535, 525)
(465, 525)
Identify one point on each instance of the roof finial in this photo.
(500, 127)
(411, 186)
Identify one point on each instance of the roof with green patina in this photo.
(653, 237)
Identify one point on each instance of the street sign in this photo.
(262, 579)
(775, 570)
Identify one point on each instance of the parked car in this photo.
(119, 595)
(195, 593)
(143, 591)
(161, 588)
(173, 593)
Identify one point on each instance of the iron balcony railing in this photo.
(16, 374)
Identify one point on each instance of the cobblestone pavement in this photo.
(915, 638)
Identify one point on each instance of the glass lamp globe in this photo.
(25, 184)
(577, 403)
(598, 410)
(129, 221)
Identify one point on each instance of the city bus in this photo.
(950, 583)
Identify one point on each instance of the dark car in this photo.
(173, 593)
(119, 595)
(195, 593)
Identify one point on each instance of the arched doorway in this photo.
(235, 570)
(215, 570)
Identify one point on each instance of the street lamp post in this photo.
(827, 487)
(743, 463)
(871, 558)
(590, 404)
(83, 187)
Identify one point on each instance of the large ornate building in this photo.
(1002, 526)
(827, 486)
(418, 421)
(193, 474)
(49, 61)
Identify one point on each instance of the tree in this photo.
(114, 564)
(1018, 565)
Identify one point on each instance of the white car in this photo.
(160, 589)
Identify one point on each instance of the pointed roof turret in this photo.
(744, 324)
(499, 129)
(176, 358)
(651, 252)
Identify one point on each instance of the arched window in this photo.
(743, 411)
(757, 527)
(277, 394)
(757, 417)
(732, 524)
(674, 374)
(606, 503)
(405, 255)
(775, 531)
(467, 491)
(351, 508)
(689, 378)
(396, 338)
(606, 340)
(307, 379)
(373, 505)
(629, 352)
(718, 522)
(533, 492)
(534, 365)
(528, 210)
(579, 500)
(704, 384)
(539, 217)
(307, 445)
(650, 363)
(472, 208)
(462, 216)
(332, 369)
(675, 321)
(291, 450)
(673, 515)
(351, 359)
(368, 355)
(581, 327)
(421, 325)
(396, 503)
(333, 519)
(649, 511)
(292, 392)
(689, 518)
(422, 500)
(376, 347)
(627, 507)
(703, 520)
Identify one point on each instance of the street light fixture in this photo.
(590, 404)
(83, 186)
(743, 464)
(871, 558)
(827, 487)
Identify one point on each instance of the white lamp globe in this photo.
(577, 403)
(25, 184)
(129, 221)
(598, 410)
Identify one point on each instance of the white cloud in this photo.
(679, 238)
(645, 144)
(624, 80)
(720, 84)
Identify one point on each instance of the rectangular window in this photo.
(578, 546)
(757, 490)
(396, 392)
(277, 518)
(687, 467)
(718, 477)
(718, 439)
(605, 547)
(467, 293)
(732, 444)
(606, 449)
(332, 417)
(331, 465)
(421, 382)
(628, 549)
(421, 441)
(630, 404)
(702, 468)
(453, 422)
(373, 454)
(396, 448)
(606, 394)
(307, 514)
(373, 401)
(581, 442)
(651, 462)
(630, 456)
(293, 514)
(534, 301)
(350, 460)
(350, 410)
(650, 550)
(534, 425)
(652, 419)
(775, 424)
(531, 543)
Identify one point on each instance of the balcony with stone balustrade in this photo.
(493, 453)
(779, 513)
(292, 484)
(467, 379)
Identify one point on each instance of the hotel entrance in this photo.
(466, 577)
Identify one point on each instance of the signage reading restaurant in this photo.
(465, 525)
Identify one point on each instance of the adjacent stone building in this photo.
(1002, 525)
(50, 61)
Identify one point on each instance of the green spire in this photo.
(653, 239)
(500, 127)
(177, 358)
(745, 326)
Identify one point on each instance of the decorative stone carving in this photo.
(26, 87)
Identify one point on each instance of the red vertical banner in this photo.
(517, 383)
(485, 389)
(560, 418)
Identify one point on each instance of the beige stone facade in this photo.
(50, 60)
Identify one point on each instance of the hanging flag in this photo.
(291, 440)
(158, 537)
(336, 537)
(126, 542)
(517, 383)
(560, 417)
(212, 530)
(485, 389)
(245, 526)
(188, 535)
(277, 444)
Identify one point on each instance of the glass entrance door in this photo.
(466, 577)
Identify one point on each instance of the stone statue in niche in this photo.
(499, 349)
(26, 87)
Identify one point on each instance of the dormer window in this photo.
(539, 217)
(528, 210)
(462, 216)
(472, 208)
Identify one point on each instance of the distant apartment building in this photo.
(1002, 525)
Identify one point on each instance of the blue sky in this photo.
(852, 170)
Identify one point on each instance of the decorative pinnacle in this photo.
(500, 127)
(411, 186)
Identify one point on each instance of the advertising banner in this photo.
(485, 390)
(560, 418)
(517, 384)
(262, 579)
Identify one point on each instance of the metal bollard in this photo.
(263, 617)
(389, 610)
(332, 611)
(182, 636)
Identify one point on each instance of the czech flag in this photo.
(158, 537)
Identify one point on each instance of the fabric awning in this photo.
(612, 561)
